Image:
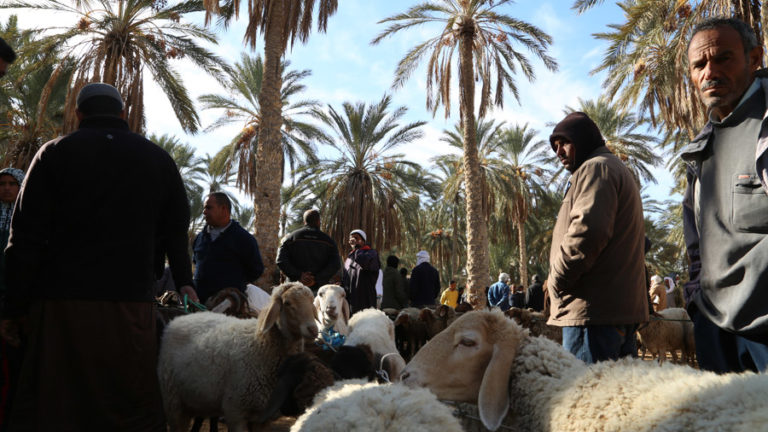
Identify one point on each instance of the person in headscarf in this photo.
(670, 291)
(425, 282)
(597, 272)
(658, 293)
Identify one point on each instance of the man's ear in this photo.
(122, 114)
(756, 58)
(79, 114)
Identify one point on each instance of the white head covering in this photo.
(671, 285)
(656, 279)
(421, 257)
(503, 277)
(361, 233)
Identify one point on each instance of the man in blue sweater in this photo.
(225, 254)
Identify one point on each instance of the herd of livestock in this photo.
(382, 370)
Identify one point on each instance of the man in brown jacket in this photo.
(597, 271)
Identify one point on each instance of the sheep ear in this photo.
(345, 310)
(272, 314)
(493, 401)
(318, 306)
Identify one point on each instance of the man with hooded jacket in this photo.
(597, 271)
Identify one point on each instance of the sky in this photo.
(347, 68)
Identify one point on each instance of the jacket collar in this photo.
(103, 122)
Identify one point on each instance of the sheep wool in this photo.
(357, 406)
(551, 390)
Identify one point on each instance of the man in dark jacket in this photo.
(100, 210)
(425, 282)
(597, 272)
(535, 295)
(361, 270)
(226, 255)
(394, 295)
(308, 255)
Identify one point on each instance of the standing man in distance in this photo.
(225, 254)
(361, 271)
(498, 293)
(725, 208)
(425, 282)
(535, 295)
(99, 211)
(308, 255)
(597, 270)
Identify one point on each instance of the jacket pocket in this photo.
(750, 204)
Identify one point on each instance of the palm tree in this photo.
(191, 168)
(524, 158)
(31, 113)
(242, 106)
(116, 42)
(619, 129)
(646, 61)
(366, 186)
(280, 21)
(483, 38)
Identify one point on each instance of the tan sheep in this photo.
(660, 336)
(501, 367)
(216, 365)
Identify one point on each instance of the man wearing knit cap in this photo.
(425, 282)
(100, 210)
(361, 270)
(597, 272)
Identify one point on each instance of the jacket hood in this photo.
(580, 130)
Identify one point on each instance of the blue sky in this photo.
(345, 67)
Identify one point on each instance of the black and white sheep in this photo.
(501, 367)
(216, 365)
(373, 328)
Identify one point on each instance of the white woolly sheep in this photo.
(356, 406)
(503, 368)
(332, 309)
(372, 327)
(659, 336)
(212, 364)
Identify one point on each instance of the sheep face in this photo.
(332, 308)
(479, 347)
(292, 310)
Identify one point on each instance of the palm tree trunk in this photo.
(269, 154)
(478, 267)
(523, 253)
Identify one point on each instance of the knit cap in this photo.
(580, 130)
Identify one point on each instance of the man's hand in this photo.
(188, 290)
(307, 278)
(10, 331)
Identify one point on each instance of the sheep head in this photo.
(291, 309)
(332, 308)
(480, 347)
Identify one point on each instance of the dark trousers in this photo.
(594, 343)
(720, 351)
